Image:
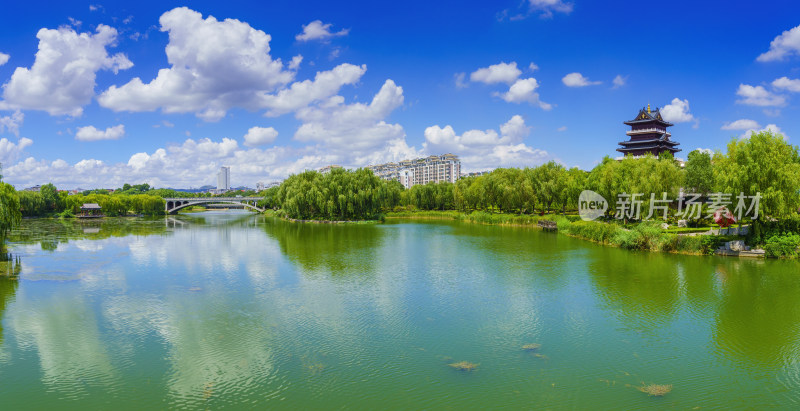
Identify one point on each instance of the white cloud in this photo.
(561, 129)
(786, 44)
(497, 73)
(316, 30)
(356, 133)
(577, 80)
(4, 58)
(11, 123)
(482, 149)
(524, 90)
(741, 124)
(90, 133)
(547, 7)
(785, 83)
(758, 96)
(460, 79)
(705, 150)
(215, 65)
(295, 63)
(259, 136)
(62, 78)
(190, 164)
(10, 151)
(677, 111)
(533, 67)
(301, 94)
(774, 129)
(619, 81)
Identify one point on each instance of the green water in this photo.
(234, 310)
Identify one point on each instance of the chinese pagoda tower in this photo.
(648, 134)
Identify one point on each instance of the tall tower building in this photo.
(224, 178)
(648, 134)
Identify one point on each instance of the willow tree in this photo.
(10, 215)
(764, 164)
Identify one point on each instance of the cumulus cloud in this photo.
(214, 65)
(785, 83)
(357, 132)
(497, 73)
(11, 123)
(759, 96)
(90, 133)
(62, 78)
(524, 90)
(741, 124)
(324, 85)
(774, 129)
(258, 136)
(295, 63)
(619, 81)
(316, 30)
(677, 111)
(190, 164)
(784, 45)
(4, 58)
(482, 149)
(578, 80)
(10, 151)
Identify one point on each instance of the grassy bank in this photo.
(644, 236)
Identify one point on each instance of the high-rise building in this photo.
(431, 169)
(224, 178)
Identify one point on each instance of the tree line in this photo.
(763, 163)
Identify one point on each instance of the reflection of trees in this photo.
(759, 313)
(337, 248)
(49, 233)
(644, 286)
(8, 287)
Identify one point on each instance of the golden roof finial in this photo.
(648, 108)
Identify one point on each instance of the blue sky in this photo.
(98, 94)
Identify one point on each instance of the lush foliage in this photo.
(784, 245)
(9, 210)
(337, 195)
(763, 163)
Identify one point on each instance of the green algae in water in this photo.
(655, 390)
(531, 347)
(464, 366)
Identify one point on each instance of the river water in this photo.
(234, 310)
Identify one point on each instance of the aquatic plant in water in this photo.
(655, 390)
(531, 347)
(464, 366)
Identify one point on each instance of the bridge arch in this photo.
(173, 205)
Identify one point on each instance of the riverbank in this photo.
(646, 236)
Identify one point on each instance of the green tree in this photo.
(763, 163)
(52, 201)
(699, 172)
(10, 215)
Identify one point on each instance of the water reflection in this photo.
(332, 249)
(758, 314)
(231, 309)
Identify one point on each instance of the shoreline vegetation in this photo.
(763, 166)
(645, 236)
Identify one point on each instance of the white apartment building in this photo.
(224, 178)
(431, 169)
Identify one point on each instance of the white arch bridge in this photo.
(172, 205)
